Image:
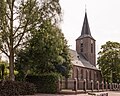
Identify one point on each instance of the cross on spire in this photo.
(85, 9)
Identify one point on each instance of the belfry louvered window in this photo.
(91, 48)
(81, 47)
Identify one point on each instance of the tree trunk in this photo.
(11, 66)
(11, 49)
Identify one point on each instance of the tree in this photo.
(109, 61)
(3, 69)
(18, 18)
(47, 52)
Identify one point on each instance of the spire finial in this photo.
(85, 8)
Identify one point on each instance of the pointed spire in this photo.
(85, 28)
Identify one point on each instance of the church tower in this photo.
(85, 43)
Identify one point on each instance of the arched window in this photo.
(81, 74)
(95, 76)
(90, 75)
(77, 73)
(86, 74)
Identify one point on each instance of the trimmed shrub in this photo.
(15, 88)
(45, 83)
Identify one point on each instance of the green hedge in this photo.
(15, 88)
(45, 83)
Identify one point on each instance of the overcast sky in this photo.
(103, 18)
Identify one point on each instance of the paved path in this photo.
(110, 93)
(114, 93)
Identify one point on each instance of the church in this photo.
(84, 58)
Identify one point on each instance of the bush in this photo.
(45, 83)
(13, 88)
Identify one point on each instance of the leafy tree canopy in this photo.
(109, 61)
(46, 52)
(18, 18)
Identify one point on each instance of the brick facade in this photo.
(84, 58)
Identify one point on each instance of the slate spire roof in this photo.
(85, 28)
